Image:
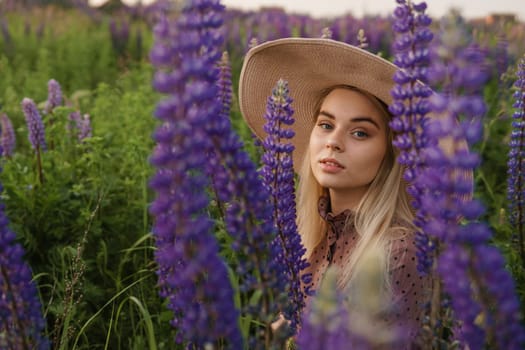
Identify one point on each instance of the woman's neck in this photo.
(343, 200)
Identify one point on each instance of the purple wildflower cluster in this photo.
(81, 124)
(198, 149)
(36, 132)
(191, 274)
(21, 320)
(438, 167)
(472, 271)
(516, 162)
(54, 95)
(34, 124)
(278, 175)
(7, 136)
(248, 216)
(348, 319)
(325, 322)
(411, 106)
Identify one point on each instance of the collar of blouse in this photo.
(337, 224)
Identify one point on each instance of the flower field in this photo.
(138, 212)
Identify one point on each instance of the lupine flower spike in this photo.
(350, 319)
(410, 106)
(409, 119)
(482, 292)
(34, 125)
(80, 124)
(191, 274)
(85, 130)
(7, 136)
(516, 163)
(36, 132)
(248, 216)
(278, 176)
(21, 321)
(54, 96)
(325, 322)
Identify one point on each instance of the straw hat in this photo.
(309, 65)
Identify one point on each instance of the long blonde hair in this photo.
(385, 200)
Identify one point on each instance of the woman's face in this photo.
(348, 143)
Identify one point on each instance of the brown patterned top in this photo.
(410, 290)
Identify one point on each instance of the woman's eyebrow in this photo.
(354, 120)
(366, 119)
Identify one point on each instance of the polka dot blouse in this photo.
(410, 290)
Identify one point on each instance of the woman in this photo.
(351, 196)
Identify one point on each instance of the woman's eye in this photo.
(360, 134)
(323, 125)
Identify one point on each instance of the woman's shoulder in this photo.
(402, 233)
(403, 249)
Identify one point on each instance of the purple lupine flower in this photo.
(21, 321)
(325, 322)
(453, 267)
(7, 136)
(80, 125)
(119, 34)
(85, 130)
(34, 125)
(278, 177)
(75, 119)
(502, 56)
(191, 274)
(248, 214)
(410, 106)
(350, 319)
(54, 95)
(478, 289)
(215, 170)
(516, 162)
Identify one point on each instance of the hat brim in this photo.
(309, 65)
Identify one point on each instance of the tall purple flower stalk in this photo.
(7, 136)
(516, 163)
(482, 292)
(36, 132)
(21, 321)
(410, 106)
(191, 274)
(54, 95)
(245, 206)
(35, 126)
(410, 110)
(278, 177)
(197, 149)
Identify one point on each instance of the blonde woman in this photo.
(351, 196)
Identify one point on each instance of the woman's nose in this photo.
(334, 144)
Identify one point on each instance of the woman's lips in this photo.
(330, 165)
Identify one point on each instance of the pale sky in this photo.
(321, 8)
(325, 8)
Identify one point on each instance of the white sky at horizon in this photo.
(329, 8)
(437, 8)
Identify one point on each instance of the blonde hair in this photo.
(385, 203)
